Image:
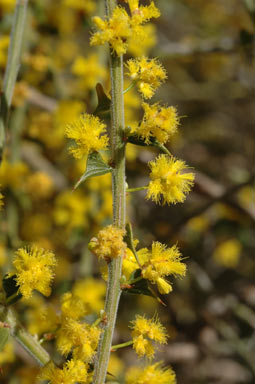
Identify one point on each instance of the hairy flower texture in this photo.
(92, 292)
(73, 372)
(72, 306)
(87, 131)
(87, 6)
(121, 27)
(144, 332)
(152, 374)
(109, 243)
(34, 269)
(168, 184)
(161, 262)
(158, 123)
(147, 73)
(114, 31)
(89, 71)
(79, 338)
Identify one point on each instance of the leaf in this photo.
(140, 287)
(104, 103)
(4, 335)
(11, 288)
(134, 139)
(95, 167)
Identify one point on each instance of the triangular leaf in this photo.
(137, 140)
(95, 167)
(104, 103)
(11, 288)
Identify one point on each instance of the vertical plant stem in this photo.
(12, 68)
(119, 207)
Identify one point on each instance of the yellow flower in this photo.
(148, 75)
(42, 318)
(168, 185)
(91, 292)
(115, 31)
(144, 332)
(120, 27)
(73, 371)
(109, 243)
(72, 306)
(79, 338)
(152, 374)
(34, 270)
(228, 253)
(161, 262)
(81, 5)
(87, 131)
(158, 123)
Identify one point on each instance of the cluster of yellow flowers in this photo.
(123, 26)
(34, 269)
(109, 243)
(144, 332)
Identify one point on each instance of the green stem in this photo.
(28, 342)
(129, 87)
(163, 148)
(137, 189)
(135, 280)
(123, 345)
(119, 207)
(12, 68)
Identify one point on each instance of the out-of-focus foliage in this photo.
(206, 48)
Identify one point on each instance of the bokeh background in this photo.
(207, 49)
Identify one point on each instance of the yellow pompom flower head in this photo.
(34, 269)
(109, 243)
(151, 374)
(169, 185)
(158, 123)
(148, 74)
(122, 26)
(73, 371)
(145, 331)
(161, 262)
(87, 132)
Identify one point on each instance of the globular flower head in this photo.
(73, 371)
(87, 132)
(109, 243)
(34, 269)
(114, 31)
(161, 262)
(79, 338)
(158, 123)
(147, 73)
(144, 332)
(152, 374)
(169, 185)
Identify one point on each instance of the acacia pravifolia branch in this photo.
(119, 207)
(12, 67)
